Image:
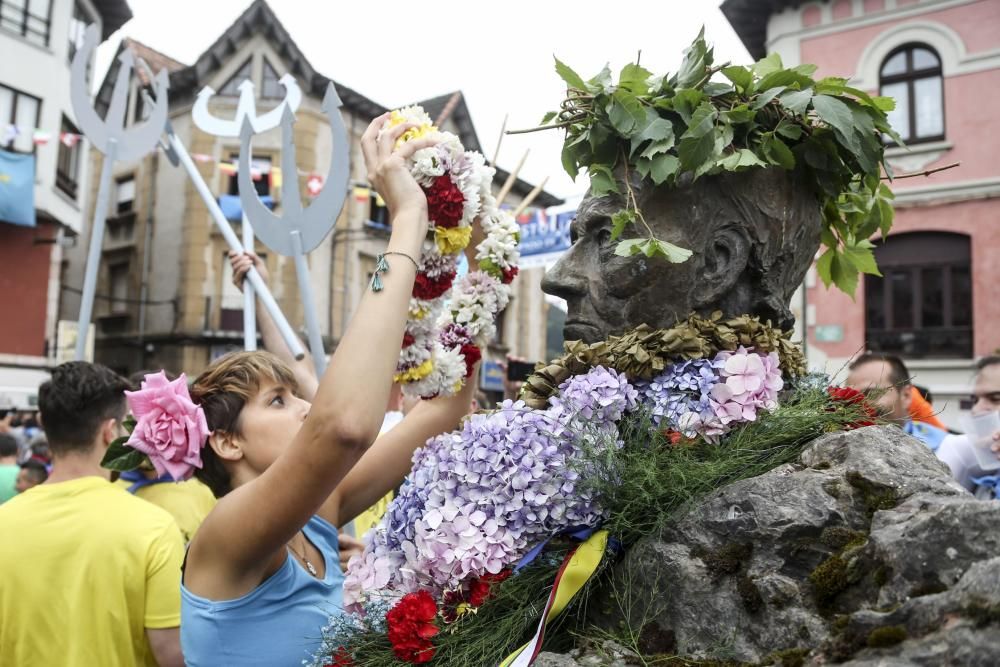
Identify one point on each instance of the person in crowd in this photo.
(886, 380)
(8, 467)
(958, 452)
(188, 501)
(261, 578)
(30, 474)
(110, 563)
(922, 407)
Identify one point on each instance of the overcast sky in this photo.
(498, 54)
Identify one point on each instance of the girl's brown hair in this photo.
(222, 390)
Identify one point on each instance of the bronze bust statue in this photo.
(753, 233)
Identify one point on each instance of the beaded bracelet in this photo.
(382, 266)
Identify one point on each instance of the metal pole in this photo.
(94, 253)
(309, 306)
(249, 297)
(291, 340)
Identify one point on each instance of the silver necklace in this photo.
(309, 566)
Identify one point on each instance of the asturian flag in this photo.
(17, 188)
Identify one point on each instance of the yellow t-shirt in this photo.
(189, 502)
(85, 568)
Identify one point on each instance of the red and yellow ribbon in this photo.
(576, 570)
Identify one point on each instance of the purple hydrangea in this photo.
(478, 499)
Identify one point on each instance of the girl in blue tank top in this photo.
(263, 572)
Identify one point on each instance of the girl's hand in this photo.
(241, 263)
(387, 169)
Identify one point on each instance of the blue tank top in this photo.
(278, 624)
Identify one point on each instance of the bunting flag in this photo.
(17, 188)
(577, 568)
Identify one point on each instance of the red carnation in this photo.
(472, 354)
(408, 340)
(340, 658)
(427, 288)
(411, 626)
(508, 275)
(854, 397)
(445, 202)
(479, 591)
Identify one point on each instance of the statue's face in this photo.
(607, 294)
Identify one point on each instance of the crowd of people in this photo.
(243, 563)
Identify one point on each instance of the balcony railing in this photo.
(925, 343)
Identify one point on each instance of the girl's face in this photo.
(268, 423)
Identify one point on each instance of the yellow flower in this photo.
(418, 313)
(452, 239)
(396, 118)
(415, 373)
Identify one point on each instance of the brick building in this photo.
(935, 304)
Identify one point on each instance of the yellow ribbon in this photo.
(582, 565)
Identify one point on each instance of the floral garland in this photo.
(442, 344)
(479, 499)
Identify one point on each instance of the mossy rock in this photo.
(890, 635)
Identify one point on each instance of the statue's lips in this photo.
(579, 330)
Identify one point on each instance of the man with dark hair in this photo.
(8, 466)
(959, 452)
(31, 474)
(886, 380)
(111, 590)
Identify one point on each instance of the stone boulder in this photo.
(865, 552)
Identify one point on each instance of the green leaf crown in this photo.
(760, 116)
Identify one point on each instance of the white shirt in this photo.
(957, 452)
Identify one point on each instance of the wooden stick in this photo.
(923, 173)
(530, 198)
(496, 153)
(505, 190)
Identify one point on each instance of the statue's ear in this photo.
(726, 255)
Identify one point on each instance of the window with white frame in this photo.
(32, 19)
(911, 74)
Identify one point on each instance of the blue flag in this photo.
(233, 210)
(17, 188)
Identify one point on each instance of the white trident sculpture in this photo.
(177, 154)
(246, 109)
(111, 138)
(299, 230)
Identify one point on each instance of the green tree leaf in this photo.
(765, 97)
(601, 180)
(695, 151)
(738, 114)
(741, 159)
(702, 121)
(796, 101)
(697, 59)
(601, 81)
(674, 254)
(663, 167)
(862, 257)
(789, 131)
(884, 103)
(740, 76)
(634, 78)
(768, 64)
(569, 163)
(625, 112)
(567, 74)
(686, 101)
(629, 247)
(658, 130)
(619, 221)
(778, 153)
(121, 457)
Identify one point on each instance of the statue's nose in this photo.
(566, 279)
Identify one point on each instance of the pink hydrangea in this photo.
(170, 429)
(749, 382)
